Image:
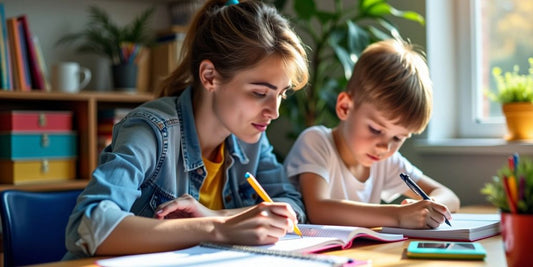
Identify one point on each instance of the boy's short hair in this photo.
(395, 78)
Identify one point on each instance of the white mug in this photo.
(69, 77)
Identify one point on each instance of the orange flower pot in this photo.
(517, 234)
(519, 118)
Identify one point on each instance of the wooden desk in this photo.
(382, 254)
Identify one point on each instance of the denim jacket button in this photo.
(227, 198)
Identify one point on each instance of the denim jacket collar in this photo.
(191, 151)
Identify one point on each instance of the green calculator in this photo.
(446, 250)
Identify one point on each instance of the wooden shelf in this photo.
(85, 107)
(52, 186)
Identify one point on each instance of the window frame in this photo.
(453, 57)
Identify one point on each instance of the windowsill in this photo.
(483, 146)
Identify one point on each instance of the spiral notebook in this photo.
(209, 254)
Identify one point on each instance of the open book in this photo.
(322, 237)
(465, 227)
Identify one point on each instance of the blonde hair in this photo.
(236, 37)
(395, 78)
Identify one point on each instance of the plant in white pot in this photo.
(515, 93)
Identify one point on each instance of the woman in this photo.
(185, 155)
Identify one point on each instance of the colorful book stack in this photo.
(22, 63)
(37, 146)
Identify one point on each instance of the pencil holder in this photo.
(517, 234)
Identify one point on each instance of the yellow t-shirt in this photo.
(211, 189)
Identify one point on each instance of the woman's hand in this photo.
(183, 207)
(422, 214)
(262, 224)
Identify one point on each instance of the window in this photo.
(506, 40)
(466, 39)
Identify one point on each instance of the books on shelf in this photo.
(22, 63)
(19, 81)
(5, 65)
(323, 237)
(465, 227)
(26, 74)
(35, 74)
(207, 254)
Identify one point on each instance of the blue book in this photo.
(5, 63)
(25, 57)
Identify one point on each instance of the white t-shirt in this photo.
(314, 151)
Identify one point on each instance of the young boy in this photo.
(343, 173)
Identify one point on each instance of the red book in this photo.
(36, 75)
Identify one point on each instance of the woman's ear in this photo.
(343, 106)
(207, 75)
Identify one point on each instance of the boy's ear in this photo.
(207, 74)
(344, 105)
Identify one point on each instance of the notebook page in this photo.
(203, 256)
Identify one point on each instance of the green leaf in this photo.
(305, 9)
(364, 5)
(378, 34)
(379, 9)
(326, 17)
(344, 57)
(409, 15)
(392, 30)
(103, 37)
(358, 39)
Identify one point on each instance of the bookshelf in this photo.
(85, 107)
(49, 20)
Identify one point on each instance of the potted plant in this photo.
(512, 192)
(121, 45)
(336, 36)
(515, 93)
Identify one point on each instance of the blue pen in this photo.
(411, 184)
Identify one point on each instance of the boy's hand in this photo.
(422, 214)
(183, 207)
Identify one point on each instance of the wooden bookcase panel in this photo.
(85, 106)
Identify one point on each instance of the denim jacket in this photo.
(155, 157)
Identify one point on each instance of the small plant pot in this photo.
(517, 233)
(519, 119)
(125, 77)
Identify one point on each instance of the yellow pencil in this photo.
(263, 194)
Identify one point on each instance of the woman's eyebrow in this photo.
(271, 86)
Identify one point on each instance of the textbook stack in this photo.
(21, 60)
(37, 146)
